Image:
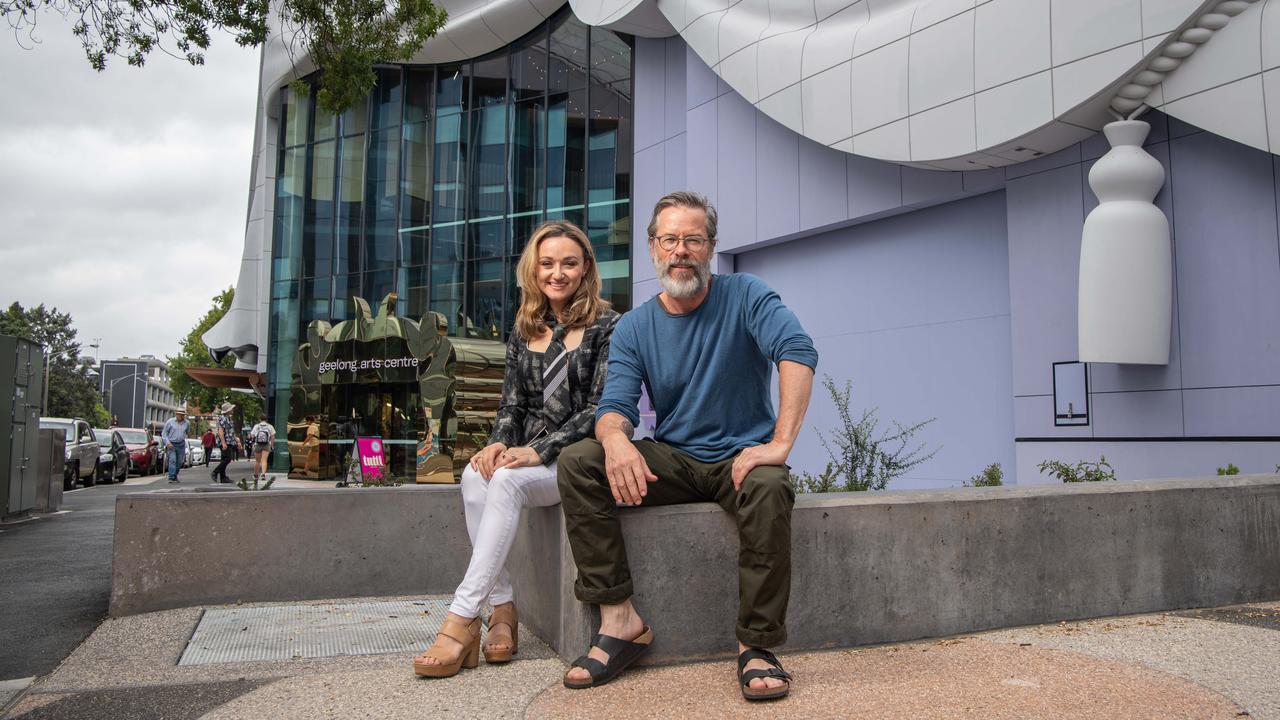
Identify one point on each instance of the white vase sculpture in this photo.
(1126, 265)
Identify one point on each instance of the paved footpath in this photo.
(1194, 664)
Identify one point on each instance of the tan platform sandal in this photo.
(495, 650)
(468, 634)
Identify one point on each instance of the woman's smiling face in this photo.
(560, 270)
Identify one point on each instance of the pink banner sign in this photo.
(372, 457)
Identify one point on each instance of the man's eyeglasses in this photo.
(695, 243)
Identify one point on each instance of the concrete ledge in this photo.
(882, 567)
(177, 549)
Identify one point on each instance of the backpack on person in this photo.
(262, 434)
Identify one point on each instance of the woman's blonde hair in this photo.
(586, 304)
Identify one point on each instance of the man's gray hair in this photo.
(687, 199)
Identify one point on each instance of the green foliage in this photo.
(1083, 471)
(861, 459)
(1229, 470)
(345, 38)
(194, 354)
(991, 476)
(101, 418)
(244, 484)
(72, 393)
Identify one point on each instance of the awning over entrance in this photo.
(229, 378)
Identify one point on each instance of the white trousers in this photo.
(493, 509)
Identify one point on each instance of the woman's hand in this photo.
(486, 460)
(519, 457)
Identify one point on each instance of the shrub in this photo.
(861, 459)
(244, 484)
(1083, 471)
(991, 476)
(1230, 470)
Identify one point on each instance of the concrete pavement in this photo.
(1197, 664)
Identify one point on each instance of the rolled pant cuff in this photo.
(758, 638)
(602, 596)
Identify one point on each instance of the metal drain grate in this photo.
(285, 632)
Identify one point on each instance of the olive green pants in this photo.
(762, 508)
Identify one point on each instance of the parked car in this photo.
(113, 456)
(142, 457)
(195, 453)
(81, 452)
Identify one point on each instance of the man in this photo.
(207, 441)
(174, 438)
(700, 337)
(225, 432)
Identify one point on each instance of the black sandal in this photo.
(621, 654)
(745, 678)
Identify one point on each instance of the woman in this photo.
(263, 437)
(555, 371)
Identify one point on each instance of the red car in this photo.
(142, 455)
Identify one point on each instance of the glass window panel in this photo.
(345, 287)
(355, 121)
(566, 156)
(287, 235)
(415, 197)
(451, 87)
(296, 108)
(484, 318)
(618, 292)
(448, 188)
(314, 303)
(377, 285)
(326, 127)
(488, 162)
(317, 245)
(446, 293)
(417, 94)
(610, 58)
(386, 98)
(416, 284)
(528, 156)
(446, 242)
(568, 54)
(529, 66)
(488, 238)
(380, 208)
(521, 229)
(350, 204)
(489, 81)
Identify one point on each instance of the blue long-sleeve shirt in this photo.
(707, 372)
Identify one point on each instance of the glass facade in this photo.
(415, 206)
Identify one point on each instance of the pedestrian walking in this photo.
(263, 437)
(174, 437)
(227, 441)
(208, 440)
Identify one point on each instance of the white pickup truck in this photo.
(82, 450)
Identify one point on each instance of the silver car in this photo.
(81, 453)
(195, 454)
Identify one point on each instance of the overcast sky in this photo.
(123, 193)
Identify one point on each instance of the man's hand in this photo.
(628, 473)
(486, 460)
(773, 453)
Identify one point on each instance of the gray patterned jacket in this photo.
(519, 421)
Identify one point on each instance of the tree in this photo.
(72, 393)
(345, 38)
(194, 354)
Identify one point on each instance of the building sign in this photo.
(372, 458)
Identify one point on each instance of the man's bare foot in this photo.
(760, 683)
(620, 621)
(452, 648)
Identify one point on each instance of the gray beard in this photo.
(683, 289)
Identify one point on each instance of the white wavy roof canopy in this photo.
(955, 84)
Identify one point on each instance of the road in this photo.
(55, 577)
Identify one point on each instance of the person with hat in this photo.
(174, 437)
(227, 441)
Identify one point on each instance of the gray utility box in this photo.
(21, 378)
(50, 462)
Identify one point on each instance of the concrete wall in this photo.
(891, 566)
(177, 549)
(1220, 394)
